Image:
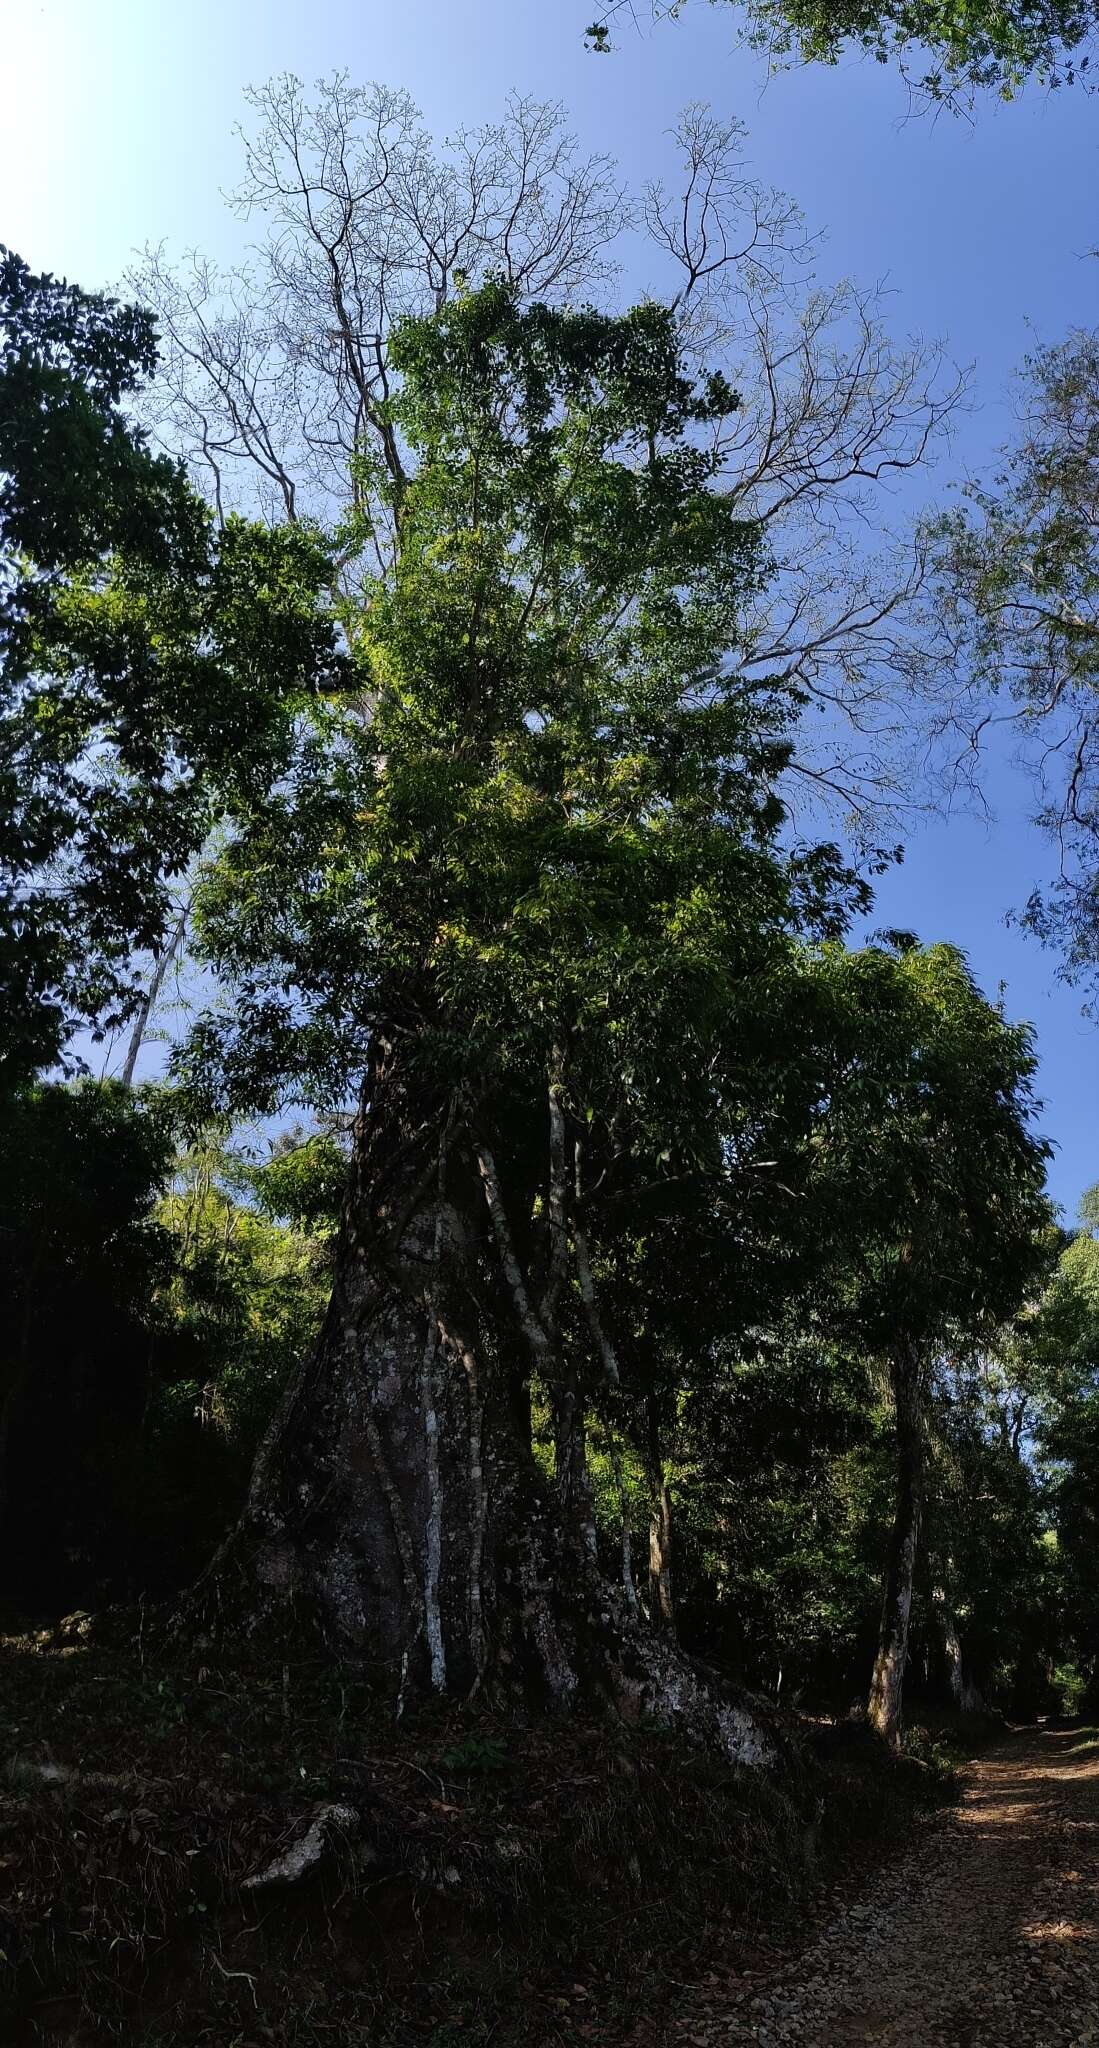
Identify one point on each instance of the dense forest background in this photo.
(185, 1281)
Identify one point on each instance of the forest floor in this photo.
(985, 1935)
(500, 1881)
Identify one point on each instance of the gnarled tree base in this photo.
(556, 1641)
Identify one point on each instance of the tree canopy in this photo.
(965, 44)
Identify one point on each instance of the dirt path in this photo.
(986, 1935)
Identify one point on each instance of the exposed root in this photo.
(246, 1975)
(657, 1683)
(307, 1850)
(22, 1773)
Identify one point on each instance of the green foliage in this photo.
(76, 479)
(986, 45)
(781, 1474)
(475, 1756)
(1072, 1689)
(1059, 1350)
(1017, 599)
(990, 44)
(302, 1182)
(242, 1304)
(927, 1155)
(149, 665)
(938, 1756)
(999, 1570)
(906, 1206)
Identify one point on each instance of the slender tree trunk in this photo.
(571, 1463)
(886, 1686)
(661, 1596)
(950, 1640)
(148, 1002)
(661, 1533)
(396, 1508)
(625, 1530)
(965, 1696)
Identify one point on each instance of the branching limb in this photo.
(603, 1346)
(558, 1226)
(530, 1324)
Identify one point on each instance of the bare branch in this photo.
(276, 376)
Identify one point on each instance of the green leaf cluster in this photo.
(150, 664)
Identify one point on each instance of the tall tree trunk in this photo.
(886, 1686)
(368, 1512)
(661, 1532)
(965, 1696)
(574, 1485)
(951, 1642)
(396, 1507)
(161, 964)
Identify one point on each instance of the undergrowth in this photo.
(519, 1881)
(943, 1742)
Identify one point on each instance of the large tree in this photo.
(533, 893)
(528, 887)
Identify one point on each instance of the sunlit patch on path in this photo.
(985, 1935)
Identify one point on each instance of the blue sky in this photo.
(118, 130)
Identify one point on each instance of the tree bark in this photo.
(661, 1533)
(951, 1644)
(396, 1509)
(574, 1485)
(887, 1683)
(965, 1696)
(161, 964)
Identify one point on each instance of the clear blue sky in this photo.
(118, 120)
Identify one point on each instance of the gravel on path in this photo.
(985, 1934)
